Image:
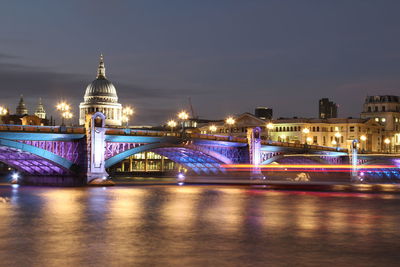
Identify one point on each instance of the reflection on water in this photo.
(195, 226)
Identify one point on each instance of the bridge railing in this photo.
(219, 137)
(41, 129)
(115, 131)
(303, 146)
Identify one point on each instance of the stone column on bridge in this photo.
(254, 144)
(96, 145)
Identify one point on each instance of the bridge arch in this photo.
(32, 160)
(196, 158)
(309, 159)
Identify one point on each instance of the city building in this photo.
(237, 128)
(385, 109)
(101, 96)
(334, 132)
(22, 116)
(40, 112)
(263, 113)
(21, 107)
(327, 109)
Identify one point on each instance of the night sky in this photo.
(228, 56)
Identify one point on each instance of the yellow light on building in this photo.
(306, 131)
(171, 123)
(338, 135)
(230, 121)
(309, 139)
(334, 142)
(213, 128)
(3, 111)
(183, 115)
(270, 126)
(363, 138)
(387, 141)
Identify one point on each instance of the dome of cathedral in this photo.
(101, 89)
(101, 96)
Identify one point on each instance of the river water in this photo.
(168, 225)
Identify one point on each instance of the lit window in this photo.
(383, 119)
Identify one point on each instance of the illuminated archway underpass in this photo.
(197, 161)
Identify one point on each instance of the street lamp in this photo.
(270, 126)
(127, 112)
(212, 128)
(387, 142)
(172, 124)
(63, 107)
(306, 131)
(363, 138)
(308, 140)
(67, 115)
(337, 136)
(183, 116)
(3, 111)
(230, 121)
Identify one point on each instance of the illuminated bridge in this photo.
(88, 152)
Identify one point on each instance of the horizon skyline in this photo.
(53, 112)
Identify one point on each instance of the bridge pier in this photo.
(96, 173)
(254, 144)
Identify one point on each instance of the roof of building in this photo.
(315, 120)
(382, 99)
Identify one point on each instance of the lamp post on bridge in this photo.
(306, 131)
(67, 115)
(3, 111)
(363, 138)
(64, 108)
(171, 124)
(212, 128)
(387, 143)
(269, 127)
(337, 138)
(230, 121)
(127, 112)
(183, 116)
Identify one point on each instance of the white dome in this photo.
(101, 90)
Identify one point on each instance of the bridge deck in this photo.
(133, 132)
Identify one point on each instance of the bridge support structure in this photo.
(355, 178)
(254, 144)
(96, 147)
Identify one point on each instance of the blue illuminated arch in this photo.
(278, 157)
(42, 153)
(208, 159)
